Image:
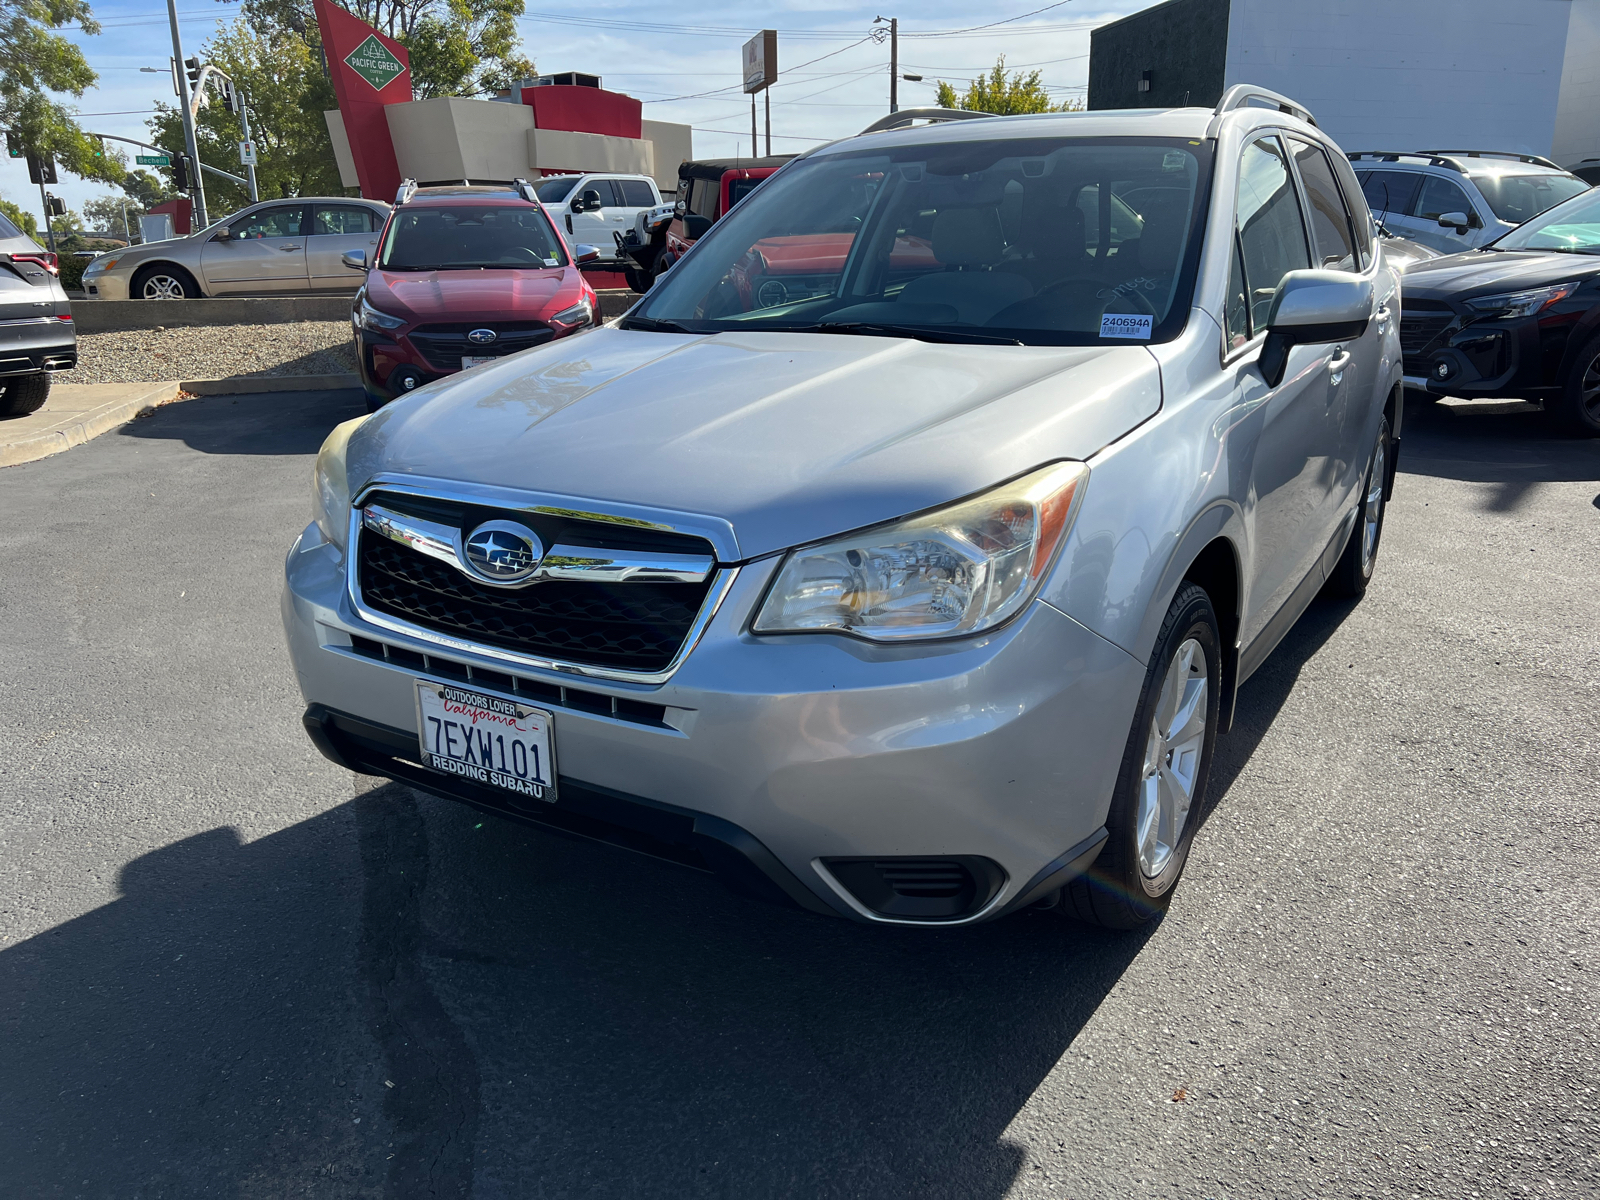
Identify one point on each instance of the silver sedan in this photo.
(275, 248)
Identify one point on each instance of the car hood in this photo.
(788, 437)
(470, 295)
(1486, 272)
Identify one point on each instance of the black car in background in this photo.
(1519, 318)
(36, 332)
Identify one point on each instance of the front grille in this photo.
(623, 626)
(1421, 327)
(444, 346)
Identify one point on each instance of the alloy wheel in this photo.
(162, 287)
(1589, 391)
(1372, 508)
(1173, 752)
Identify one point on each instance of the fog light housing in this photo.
(406, 379)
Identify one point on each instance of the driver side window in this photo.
(268, 223)
(1272, 231)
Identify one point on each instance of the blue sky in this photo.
(832, 81)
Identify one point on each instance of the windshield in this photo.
(1573, 226)
(554, 191)
(465, 237)
(1050, 241)
(1519, 198)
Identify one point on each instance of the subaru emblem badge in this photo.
(502, 552)
(482, 337)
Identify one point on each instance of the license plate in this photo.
(476, 361)
(486, 739)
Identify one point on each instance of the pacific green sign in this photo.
(372, 61)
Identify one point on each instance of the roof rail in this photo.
(524, 189)
(1532, 159)
(408, 189)
(1240, 94)
(903, 118)
(1394, 156)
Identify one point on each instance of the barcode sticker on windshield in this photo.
(1126, 325)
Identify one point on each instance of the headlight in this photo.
(374, 318)
(953, 571)
(96, 266)
(330, 490)
(1521, 304)
(579, 315)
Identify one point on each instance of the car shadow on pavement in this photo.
(263, 423)
(1513, 448)
(496, 1010)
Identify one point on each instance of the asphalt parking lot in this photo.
(230, 968)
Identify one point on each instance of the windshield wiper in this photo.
(921, 333)
(655, 325)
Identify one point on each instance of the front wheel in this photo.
(164, 283)
(1161, 787)
(1353, 571)
(1578, 409)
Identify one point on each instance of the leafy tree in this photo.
(33, 61)
(1005, 93)
(146, 189)
(21, 218)
(457, 47)
(105, 213)
(284, 81)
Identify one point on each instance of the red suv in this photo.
(463, 275)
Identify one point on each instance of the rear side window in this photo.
(8, 230)
(1391, 192)
(1330, 223)
(1440, 196)
(1356, 202)
(636, 193)
(1272, 232)
(703, 197)
(342, 219)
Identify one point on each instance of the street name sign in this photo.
(153, 160)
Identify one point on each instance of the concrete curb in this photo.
(110, 316)
(74, 427)
(238, 385)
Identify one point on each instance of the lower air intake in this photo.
(920, 889)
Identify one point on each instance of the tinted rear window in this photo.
(1519, 198)
(1391, 192)
(8, 230)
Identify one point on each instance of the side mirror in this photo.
(695, 225)
(1456, 219)
(582, 255)
(679, 208)
(356, 260)
(222, 235)
(1311, 308)
(588, 202)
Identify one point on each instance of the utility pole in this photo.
(755, 146)
(44, 204)
(766, 95)
(894, 57)
(199, 188)
(127, 230)
(244, 120)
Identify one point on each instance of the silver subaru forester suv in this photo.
(900, 555)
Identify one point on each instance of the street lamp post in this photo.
(198, 187)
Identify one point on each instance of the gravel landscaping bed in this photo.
(214, 352)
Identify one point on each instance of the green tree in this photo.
(21, 218)
(284, 81)
(146, 190)
(105, 214)
(457, 47)
(35, 60)
(1005, 93)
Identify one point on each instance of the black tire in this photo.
(164, 282)
(1353, 571)
(663, 261)
(1577, 412)
(24, 394)
(1118, 891)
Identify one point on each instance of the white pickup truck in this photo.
(593, 207)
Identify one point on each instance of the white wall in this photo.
(1410, 74)
(453, 138)
(1578, 117)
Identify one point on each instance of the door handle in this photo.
(1336, 365)
(1382, 316)
(288, 248)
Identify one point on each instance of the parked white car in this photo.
(593, 207)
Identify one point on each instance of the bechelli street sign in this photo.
(153, 160)
(372, 61)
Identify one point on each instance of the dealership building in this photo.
(1513, 75)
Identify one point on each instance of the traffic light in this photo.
(228, 102)
(193, 66)
(14, 145)
(99, 145)
(41, 169)
(180, 172)
(55, 206)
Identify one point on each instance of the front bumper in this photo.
(1481, 358)
(110, 286)
(793, 750)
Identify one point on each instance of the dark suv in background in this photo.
(36, 332)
